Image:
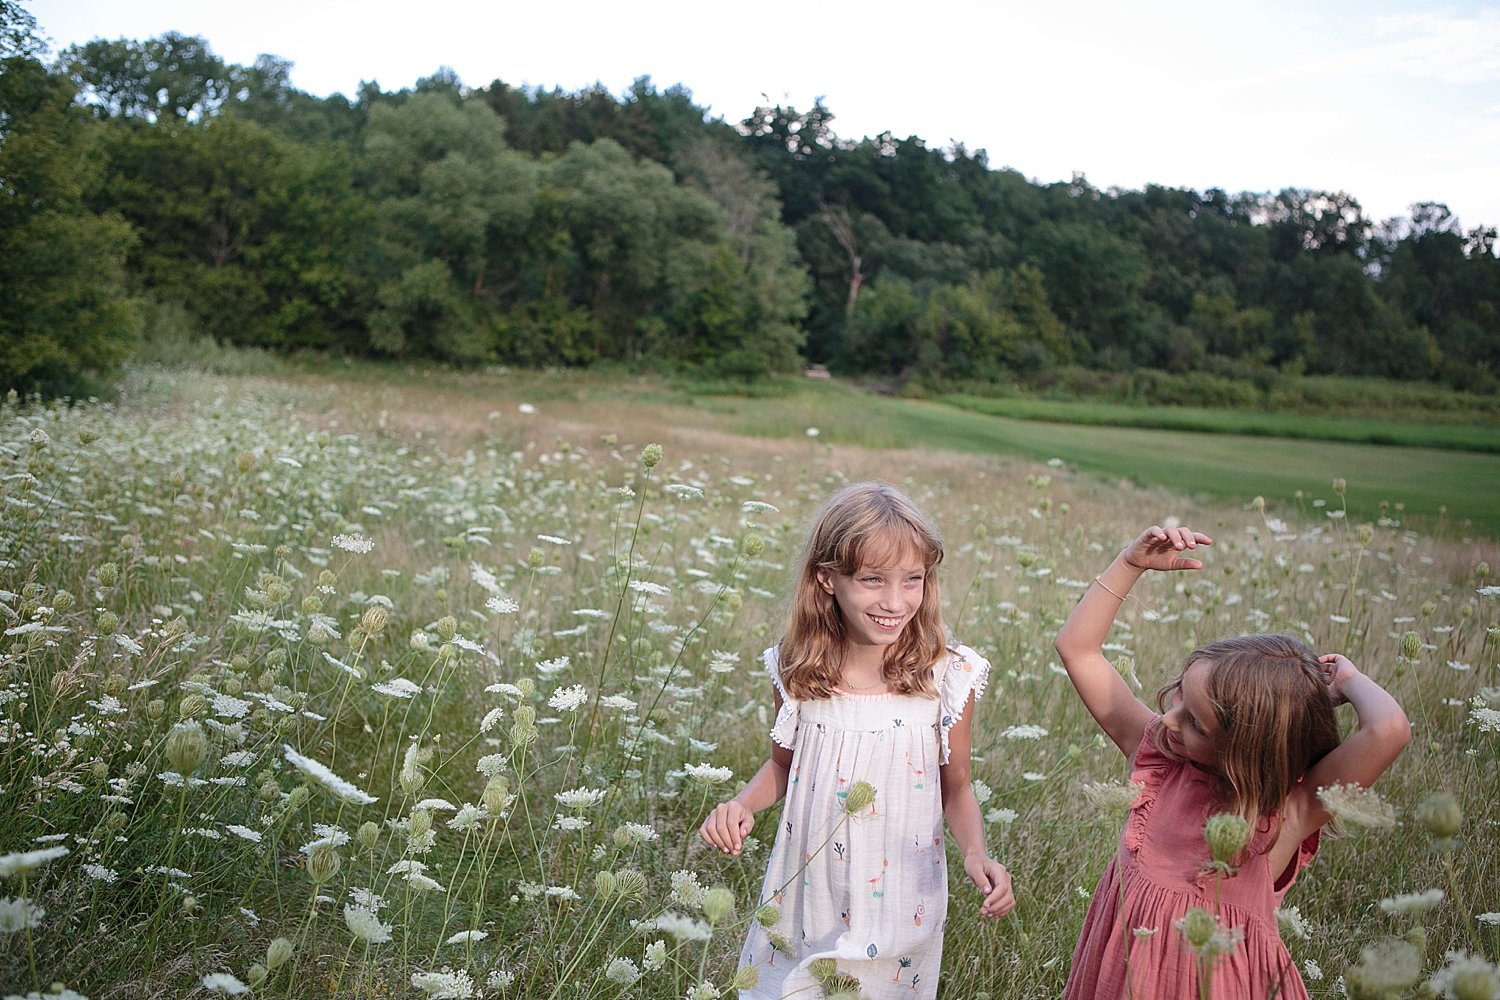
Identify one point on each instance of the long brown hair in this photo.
(1275, 718)
(863, 524)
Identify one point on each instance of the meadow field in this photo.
(344, 685)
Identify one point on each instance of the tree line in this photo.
(536, 227)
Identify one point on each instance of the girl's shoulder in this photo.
(959, 671)
(771, 662)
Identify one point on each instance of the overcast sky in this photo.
(1393, 101)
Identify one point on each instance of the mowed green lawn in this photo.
(1422, 481)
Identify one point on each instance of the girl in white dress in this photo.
(868, 693)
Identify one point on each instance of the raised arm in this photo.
(961, 810)
(1080, 643)
(730, 822)
(1382, 734)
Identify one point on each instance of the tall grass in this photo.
(417, 689)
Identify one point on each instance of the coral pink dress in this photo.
(1157, 875)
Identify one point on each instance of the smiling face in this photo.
(1191, 723)
(876, 602)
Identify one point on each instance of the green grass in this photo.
(1430, 486)
(173, 567)
(1239, 422)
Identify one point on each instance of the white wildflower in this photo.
(647, 587)
(20, 862)
(622, 971)
(1023, 732)
(678, 925)
(707, 774)
(686, 889)
(1465, 976)
(568, 699)
(464, 937)
(18, 914)
(1413, 903)
(1358, 806)
(397, 687)
(1292, 923)
(581, 798)
(502, 605)
(759, 507)
(1487, 719)
(100, 873)
(224, 982)
(244, 832)
(353, 543)
(445, 985)
(549, 667)
(617, 701)
(323, 776)
(365, 924)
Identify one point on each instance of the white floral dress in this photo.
(870, 890)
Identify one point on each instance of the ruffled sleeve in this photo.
(963, 671)
(784, 730)
(1148, 768)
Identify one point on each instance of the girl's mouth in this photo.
(888, 624)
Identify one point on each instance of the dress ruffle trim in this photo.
(784, 729)
(963, 671)
(1150, 768)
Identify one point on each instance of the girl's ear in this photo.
(825, 580)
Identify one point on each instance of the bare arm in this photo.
(961, 810)
(1382, 734)
(730, 822)
(1080, 643)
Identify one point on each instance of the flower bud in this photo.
(1339, 486)
(99, 770)
(1227, 835)
(323, 864)
(419, 823)
(1366, 534)
(746, 977)
(296, 797)
(1198, 926)
(1481, 572)
(651, 456)
(718, 904)
(1259, 503)
(495, 795)
(630, 884)
(279, 950)
(1441, 815)
(106, 623)
(535, 559)
(604, 885)
(822, 969)
(368, 834)
(767, 915)
(861, 796)
(312, 604)
(255, 975)
(115, 684)
(374, 621)
(115, 822)
(268, 791)
(447, 628)
(192, 706)
(1411, 644)
(187, 745)
(62, 601)
(108, 574)
(753, 545)
(156, 708)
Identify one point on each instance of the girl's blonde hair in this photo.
(1275, 718)
(863, 524)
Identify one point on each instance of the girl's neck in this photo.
(863, 670)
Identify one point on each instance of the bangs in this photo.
(887, 545)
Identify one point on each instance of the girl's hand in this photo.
(993, 880)
(1161, 549)
(1338, 671)
(727, 827)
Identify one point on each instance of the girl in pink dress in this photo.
(1248, 728)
